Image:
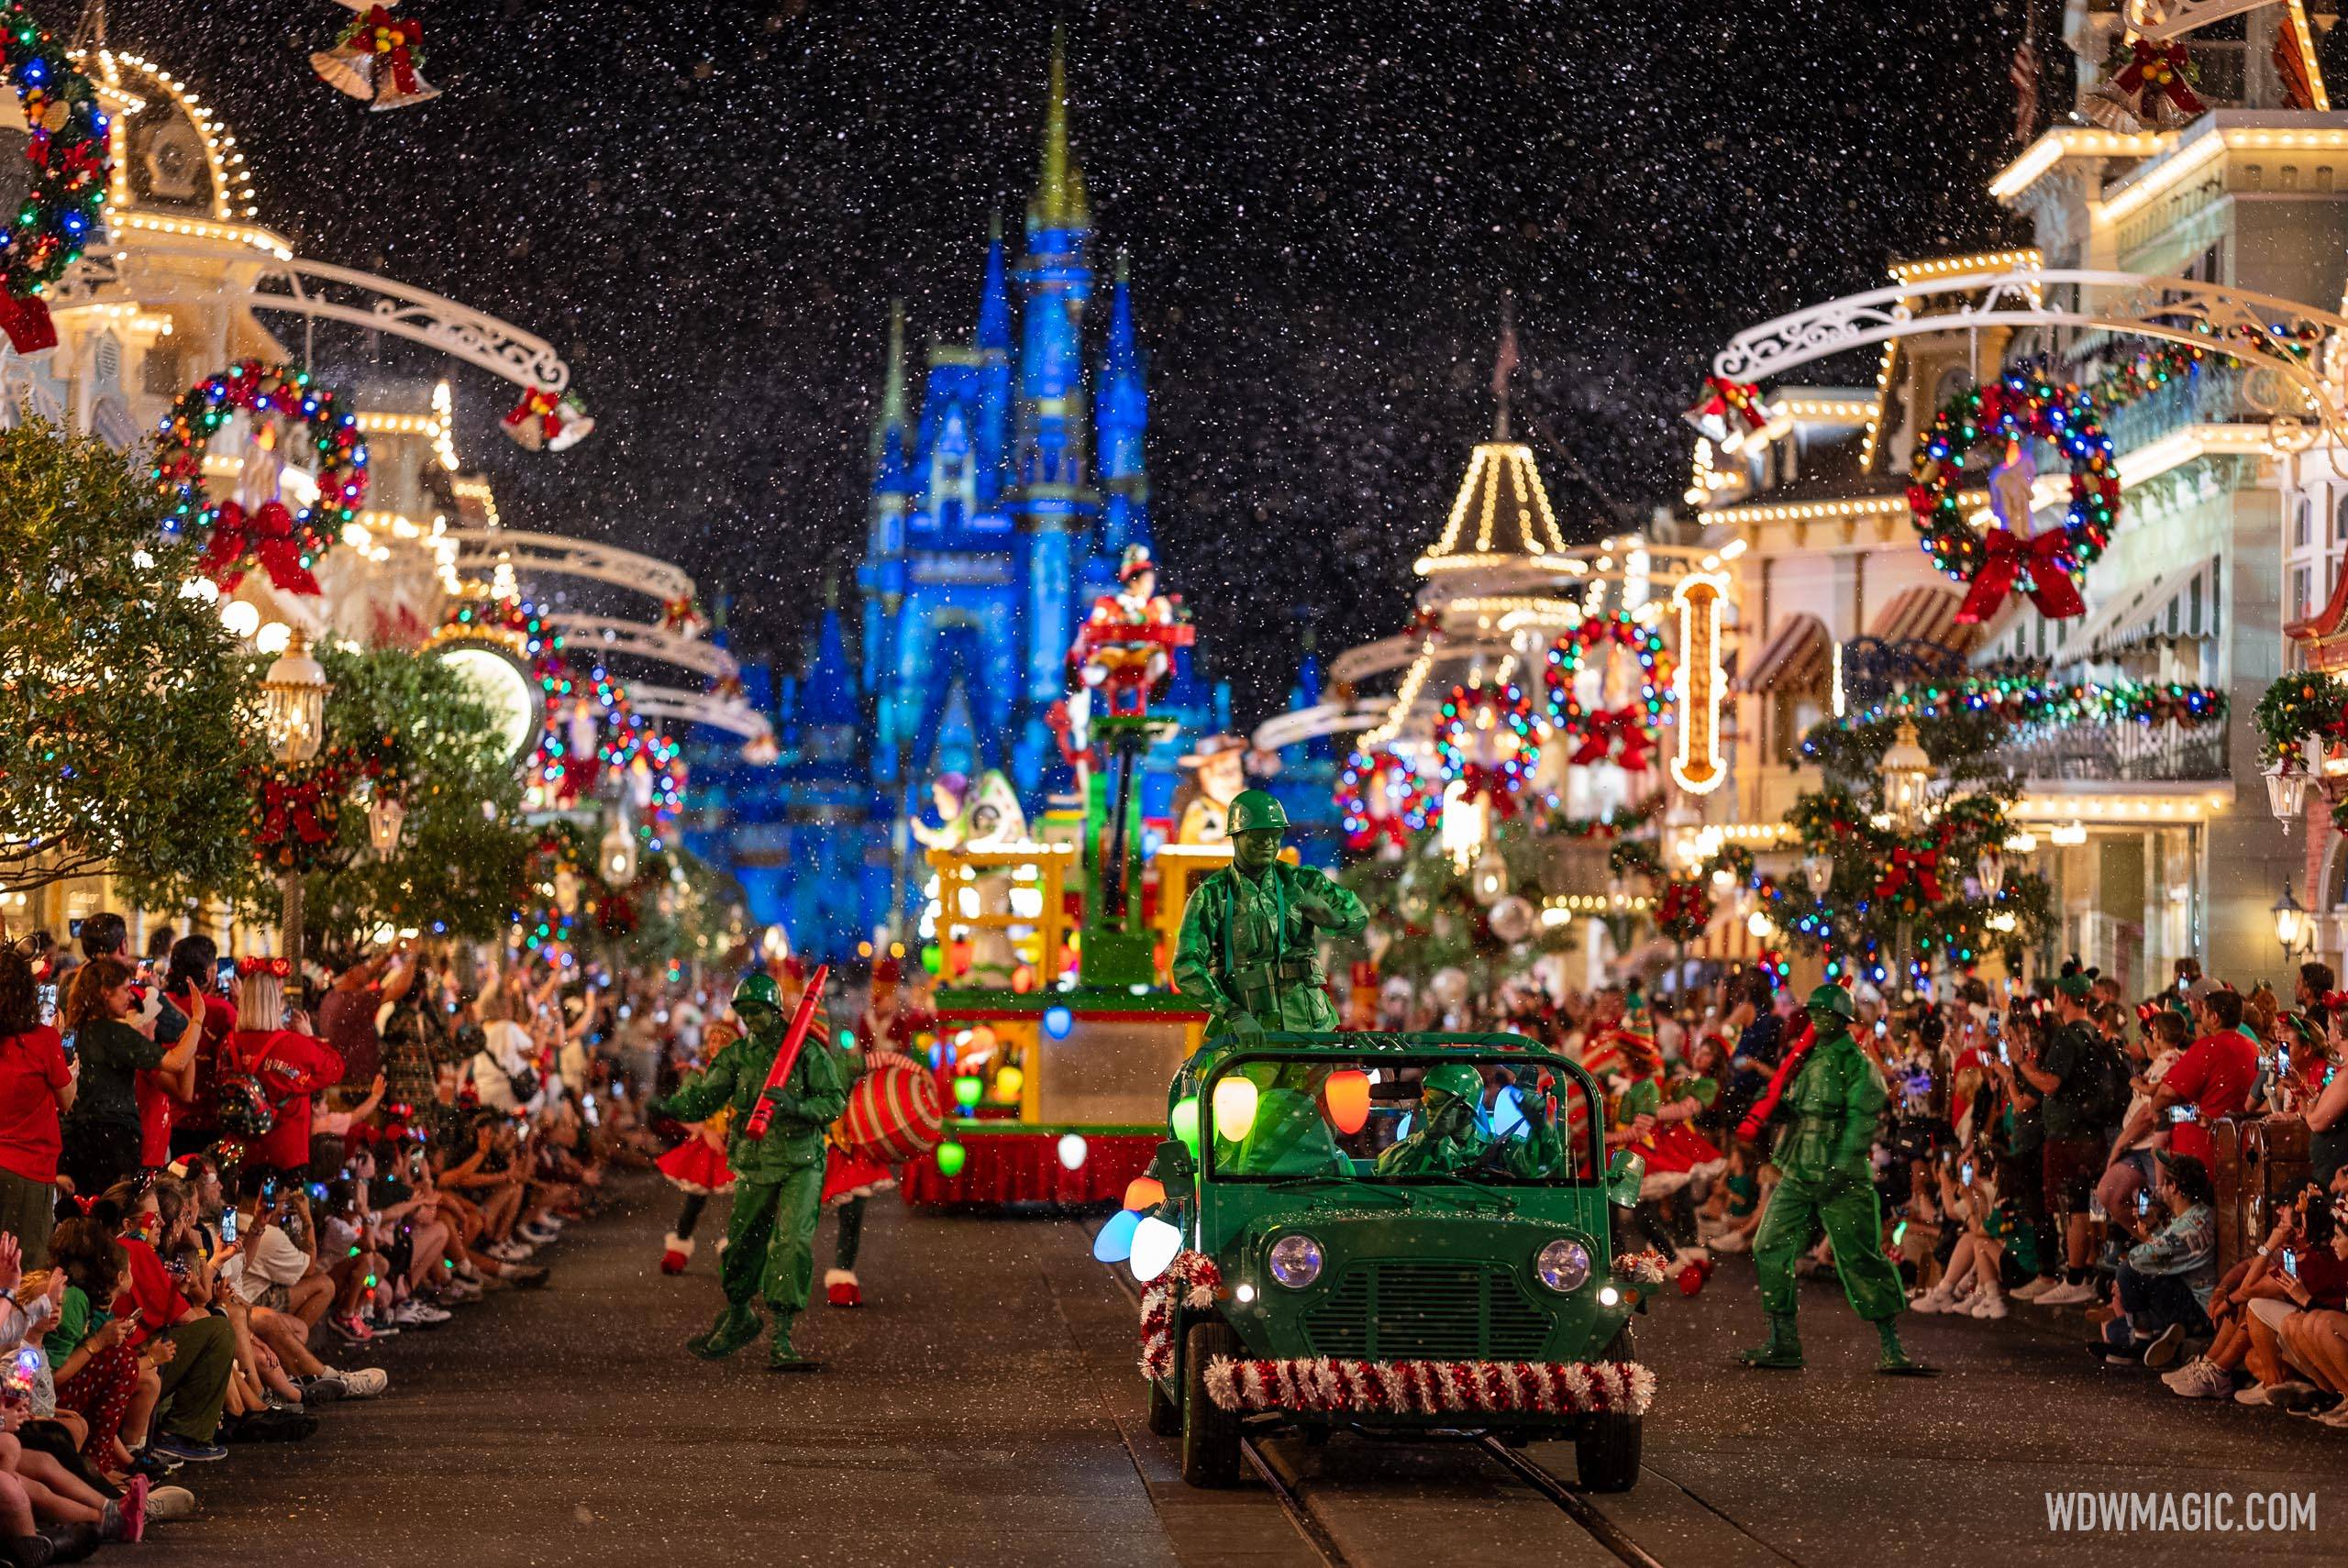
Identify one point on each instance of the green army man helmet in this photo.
(757, 989)
(1256, 809)
(1832, 1001)
(1456, 1079)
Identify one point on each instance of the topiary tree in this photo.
(131, 719)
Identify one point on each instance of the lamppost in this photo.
(2293, 929)
(1906, 772)
(293, 715)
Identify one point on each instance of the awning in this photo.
(1794, 658)
(2178, 604)
(1926, 615)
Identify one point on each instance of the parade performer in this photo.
(883, 1036)
(1118, 651)
(779, 1178)
(697, 1166)
(1216, 772)
(1825, 1183)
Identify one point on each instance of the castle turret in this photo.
(993, 343)
(1121, 415)
(882, 577)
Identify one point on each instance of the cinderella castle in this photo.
(999, 510)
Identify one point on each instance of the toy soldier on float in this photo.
(785, 1091)
(1829, 1097)
(1250, 950)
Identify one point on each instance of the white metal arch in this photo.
(1284, 730)
(483, 549)
(2258, 330)
(656, 643)
(731, 714)
(317, 289)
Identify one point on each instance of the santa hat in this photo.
(1136, 561)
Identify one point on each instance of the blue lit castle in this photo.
(998, 512)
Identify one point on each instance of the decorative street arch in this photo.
(609, 634)
(484, 549)
(2265, 333)
(731, 714)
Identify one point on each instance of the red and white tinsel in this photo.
(1430, 1387)
(1194, 1276)
(1643, 1268)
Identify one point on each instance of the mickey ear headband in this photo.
(2335, 1000)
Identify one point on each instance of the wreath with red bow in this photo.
(1911, 882)
(1625, 734)
(1381, 795)
(284, 542)
(1485, 708)
(65, 196)
(296, 812)
(2017, 408)
(1684, 912)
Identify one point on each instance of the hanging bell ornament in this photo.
(420, 90)
(347, 68)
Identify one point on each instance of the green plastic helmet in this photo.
(757, 989)
(1456, 1079)
(1834, 1001)
(1255, 808)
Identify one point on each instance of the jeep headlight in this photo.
(1563, 1265)
(1295, 1260)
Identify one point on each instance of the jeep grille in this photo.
(1400, 1311)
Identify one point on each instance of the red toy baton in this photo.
(793, 1041)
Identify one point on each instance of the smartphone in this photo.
(225, 972)
(2291, 1264)
(1964, 1173)
(2004, 1054)
(2282, 1060)
(48, 1003)
(317, 1192)
(228, 1225)
(2180, 1113)
(2143, 1204)
(269, 1189)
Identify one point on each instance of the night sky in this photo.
(707, 208)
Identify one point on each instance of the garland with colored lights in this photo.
(2308, 702)
(66, 194)
(1465, 708)
(283, 542)
(1412, 801)
(2018, 406)
(1624, 734)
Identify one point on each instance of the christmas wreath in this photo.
(1381, 795)
(2007, 414)
(1497, 724)
(67, 146)
(284, 542)
(1625, 734)
(296, 808)
(1685, 910)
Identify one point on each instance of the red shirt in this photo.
(2215, 1075)
(32, 1069)
(201, 1112)
(151, 1291)
(291, 1068)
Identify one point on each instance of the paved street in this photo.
(984, 1409)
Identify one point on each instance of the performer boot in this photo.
(737, 1326)
(1894, 1362)
(841, 1289)
(679, 1252)
(781, 1357)
(1783, 1350)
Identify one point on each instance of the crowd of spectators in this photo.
(223, 1186)
(2049, 1148)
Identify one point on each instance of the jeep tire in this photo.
(1210, 1433)
(1606, 1447)
(1165, 1415)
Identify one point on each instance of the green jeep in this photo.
(1394, 1233)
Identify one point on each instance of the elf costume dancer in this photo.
(779, 1178)
(697, 1166)
(1833, 1095)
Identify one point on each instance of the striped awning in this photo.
(2181, 603)
(1794, 658)
(1925, 613)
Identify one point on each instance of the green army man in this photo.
(779, 1179)
(1248, 949)
(1826, 1183)
(1448, 1137)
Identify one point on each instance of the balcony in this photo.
(2118, 753)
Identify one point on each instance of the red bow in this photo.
(2046, 555)
(26, 324)
(2158, 70)
(541, 407)
(267, 536)
(1603, 730)
(395, 39)
(1919, 867)
(1492, 782)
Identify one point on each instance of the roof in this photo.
(1501, 516)
(1795, 658)
(1925, 613)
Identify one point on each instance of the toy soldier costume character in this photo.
(777, 1178)
(1832, 1103)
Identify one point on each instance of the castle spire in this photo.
(994, 296)
(1059, 187)
(890, 472)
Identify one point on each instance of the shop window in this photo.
(2303, 581)
(2301, 514)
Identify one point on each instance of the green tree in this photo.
(126, 715)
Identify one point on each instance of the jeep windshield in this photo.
(1450, 1116)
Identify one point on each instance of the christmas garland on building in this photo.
(282, 541)
(1625, 734)
(2018, 408)
(64, 202)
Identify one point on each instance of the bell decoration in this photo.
(347, 68)
(548, 421)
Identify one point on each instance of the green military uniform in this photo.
(1449, 1140)
(1826, 1183)
(779, 1179)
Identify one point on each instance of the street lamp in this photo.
(616, 855)
(2286, 792)
(1907, 774)
(1488, 884)
(1818, 871)
(1990, 865)
(385, 814)
(2292, 927)
(293, 715)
